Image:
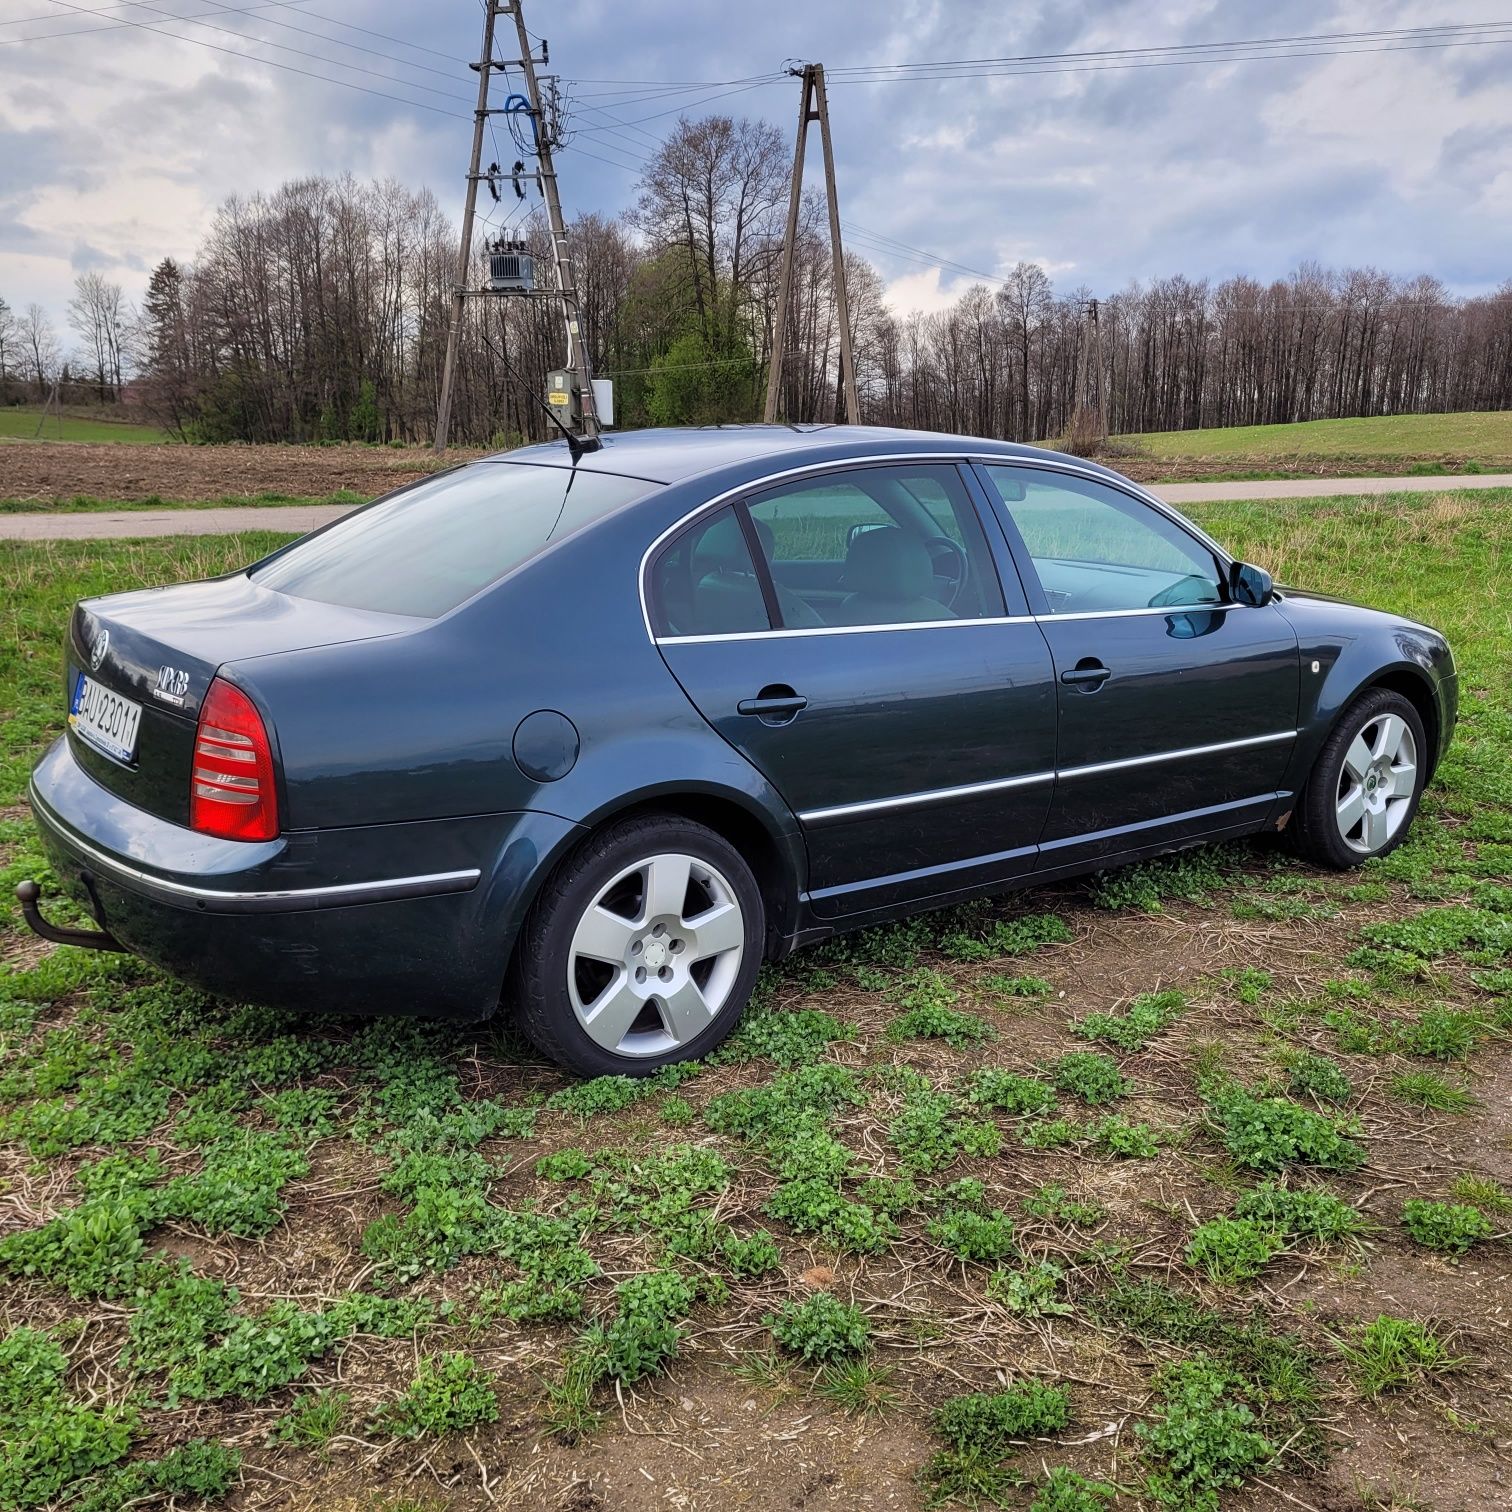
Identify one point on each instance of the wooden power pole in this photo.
(583, 414)
(580, 414)
(485, 67)
(814, 106)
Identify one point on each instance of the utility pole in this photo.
(1092, 373)
(813, 106)
(583, 412)
(579, 414)
(485, 67)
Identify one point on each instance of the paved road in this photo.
(125, 523)
(1318, 488)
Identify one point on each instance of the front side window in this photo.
(1096, 550)
(876, 546)
(705, 582)
(429, 548)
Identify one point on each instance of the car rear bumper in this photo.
(397, 918)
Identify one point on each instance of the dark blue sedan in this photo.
(599, 737)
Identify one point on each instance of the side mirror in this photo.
(862, 529)
(1250, 585)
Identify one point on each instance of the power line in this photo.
(232, 52)
(1375, 34)
(943, 72)
(297, 52)
(84, 31)
(692, 104)
(382, 36)
(934, 259)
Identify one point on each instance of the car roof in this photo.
(672, 454)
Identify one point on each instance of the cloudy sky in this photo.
(118, 138)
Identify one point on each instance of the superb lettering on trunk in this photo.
(172, 685)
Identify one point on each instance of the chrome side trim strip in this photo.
(1202, 750)
(971, 789)
(270, 900)
(933, 795)
(797, 631)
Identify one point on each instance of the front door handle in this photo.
(1088, 673)
(776, 704)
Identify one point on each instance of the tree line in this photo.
(320, 312)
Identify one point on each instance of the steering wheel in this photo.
(1188, 591)
(941, 546)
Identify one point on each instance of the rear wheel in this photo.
(1364, 788)
(642, 949)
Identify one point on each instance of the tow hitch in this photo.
(27, 894)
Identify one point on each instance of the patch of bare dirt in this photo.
(48, 471)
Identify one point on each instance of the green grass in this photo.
(1391, 1354)
(21, 422)
(398, 1228)
(1487, 436)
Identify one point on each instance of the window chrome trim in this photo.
(932, 795)
(971, 789)
(958, 458)
(1092, 614)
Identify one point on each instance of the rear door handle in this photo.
(1086, 673)
(777, 704)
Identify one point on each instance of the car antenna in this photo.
(576, 445)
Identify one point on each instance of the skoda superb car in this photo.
(598, 734)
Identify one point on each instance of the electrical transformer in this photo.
(511, 269)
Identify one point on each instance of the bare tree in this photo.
(99, 316)
(9, 331)
(714, 189)
(39, 348)
(320, 310)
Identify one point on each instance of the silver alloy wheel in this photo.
(655, 955)
(1377, 783)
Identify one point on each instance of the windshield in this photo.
(428, 549)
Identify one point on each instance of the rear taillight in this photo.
(231, 793)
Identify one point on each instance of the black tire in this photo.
(1315, 830)
(538, 987)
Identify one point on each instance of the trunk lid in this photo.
(160, 648)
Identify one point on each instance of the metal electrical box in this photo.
(603, 400)
(563, 398)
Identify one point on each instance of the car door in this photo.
(847, 631)
(1178, 706)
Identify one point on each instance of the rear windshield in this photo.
(429, 548)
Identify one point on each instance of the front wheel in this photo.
(1364, 788)
(641, 950)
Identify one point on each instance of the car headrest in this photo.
(888, 563)
(721, 548)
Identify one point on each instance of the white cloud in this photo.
(116, 146)
(923, 292)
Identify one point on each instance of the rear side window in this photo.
(705, 582)
(428, 549)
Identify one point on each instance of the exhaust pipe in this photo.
(27, 895)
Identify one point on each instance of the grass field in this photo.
(1486, 438)
(1184, 1188)
(22, 422)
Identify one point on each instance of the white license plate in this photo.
(105, 719)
